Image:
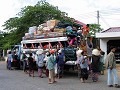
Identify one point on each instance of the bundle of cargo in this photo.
(39, 32)
(39, 36)
(55, 34)
(52, 23)
(61, 30)
(28, 36)
(23, 38)
(32, 30)
(46, 30)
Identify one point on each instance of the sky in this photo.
(82, 10)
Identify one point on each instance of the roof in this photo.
(112, 29)
(113, 32)
(81, 23)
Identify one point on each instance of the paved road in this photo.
(18, 80)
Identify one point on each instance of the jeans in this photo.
(24, 65)
(112, 80)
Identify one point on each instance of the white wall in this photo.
(103, 45)
(108, 35)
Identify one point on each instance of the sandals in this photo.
(41, 76)
(117, 86)
(110, 85)
(55, 81)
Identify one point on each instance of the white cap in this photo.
(40, 51)
(96, 52)
(60, 51)
(47, 53)
(79, 52)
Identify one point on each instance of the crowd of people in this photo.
(48, 62)
(51, 63)
(95, 65)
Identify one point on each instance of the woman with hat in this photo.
(50, 67)
(31, 65)
(83, 66)
(95, 64)
(40, 62)
(78, 54)
(60, 63)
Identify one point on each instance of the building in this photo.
(108, 38)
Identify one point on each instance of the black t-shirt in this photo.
(30, 60)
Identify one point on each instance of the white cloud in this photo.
(9, 8)
(83, 10)
(86, 10)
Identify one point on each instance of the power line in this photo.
(102, 15)
(104, 21)
(88, 13)
(113, 18)
(113, 10)
(110, 14)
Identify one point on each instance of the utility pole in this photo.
(98, 16)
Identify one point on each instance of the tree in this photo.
(94, 28)
(30, 16)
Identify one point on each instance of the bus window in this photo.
(64, 43)
(45, 45)
(36, 45)
(54, 44)
(28, 45)
(15, 49)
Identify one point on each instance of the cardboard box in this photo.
(52, 23)
(62, 30)
(52, 34)
(39, 32)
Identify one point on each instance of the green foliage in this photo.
(30, 16)
(94, 28)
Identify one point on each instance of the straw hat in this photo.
(96, 52)
(39, 51)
